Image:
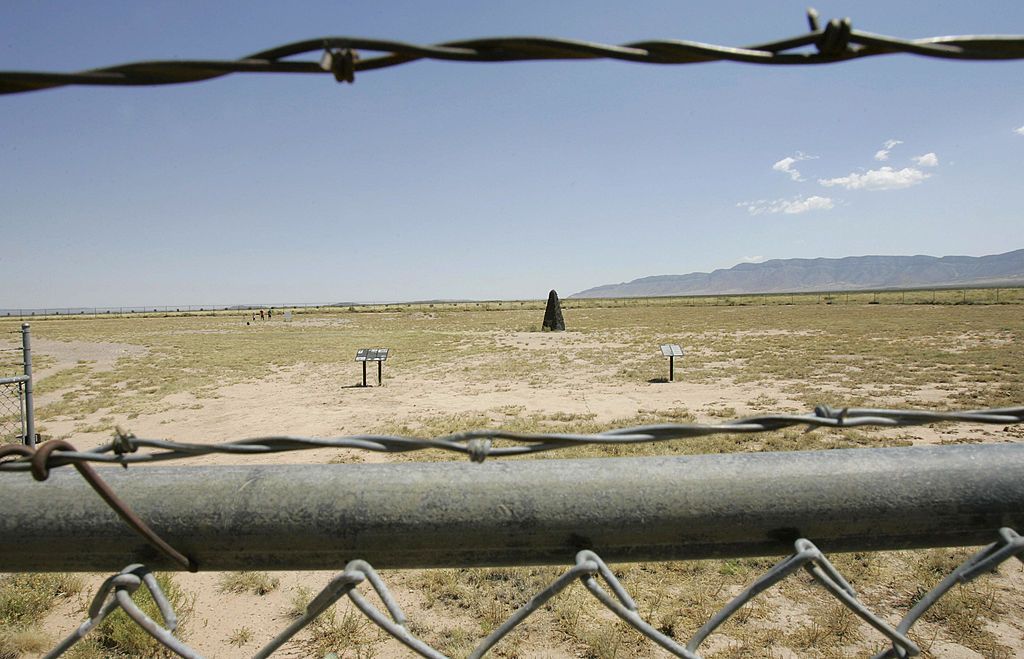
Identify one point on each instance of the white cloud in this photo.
(752, 259)
(1019, 131)
(786, 165)
(884, 178)
(927, 160)
(883, 153)
(789, 206)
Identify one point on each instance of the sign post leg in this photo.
(380, 373)
(671, 369)
(364, 374)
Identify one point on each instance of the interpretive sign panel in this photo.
(372, 354)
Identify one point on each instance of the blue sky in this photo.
(455, 180)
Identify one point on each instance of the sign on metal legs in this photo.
(379, 355)
(671, 350)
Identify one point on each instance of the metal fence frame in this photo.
(515, 513)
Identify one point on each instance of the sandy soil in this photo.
(320, 401)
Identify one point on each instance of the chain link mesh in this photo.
(12, 401)
(588, 569)
(11, 408)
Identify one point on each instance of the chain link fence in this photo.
(12, 405)
(451, 514)
(17, 413)
(589, 569)
(12, 392)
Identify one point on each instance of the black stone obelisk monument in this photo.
(553, 320)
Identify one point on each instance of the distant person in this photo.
(270, 313)
(261, 315)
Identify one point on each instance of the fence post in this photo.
(30, 412)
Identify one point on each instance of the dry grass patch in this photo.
(240, 637)
(343, 630)
(257, 583)
(25, 599)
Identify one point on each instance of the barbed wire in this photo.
(478, 445)
(116, 592)
(837, 41)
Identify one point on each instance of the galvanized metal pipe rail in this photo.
(287, 517)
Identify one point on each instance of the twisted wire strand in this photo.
(479, 444)
(837, 41)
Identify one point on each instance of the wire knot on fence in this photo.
(39, 465)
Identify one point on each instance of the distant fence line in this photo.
(918, 296)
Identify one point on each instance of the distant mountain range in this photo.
(846, 274)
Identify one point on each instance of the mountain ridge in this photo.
(827, 274)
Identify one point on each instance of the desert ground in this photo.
(213, 378)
